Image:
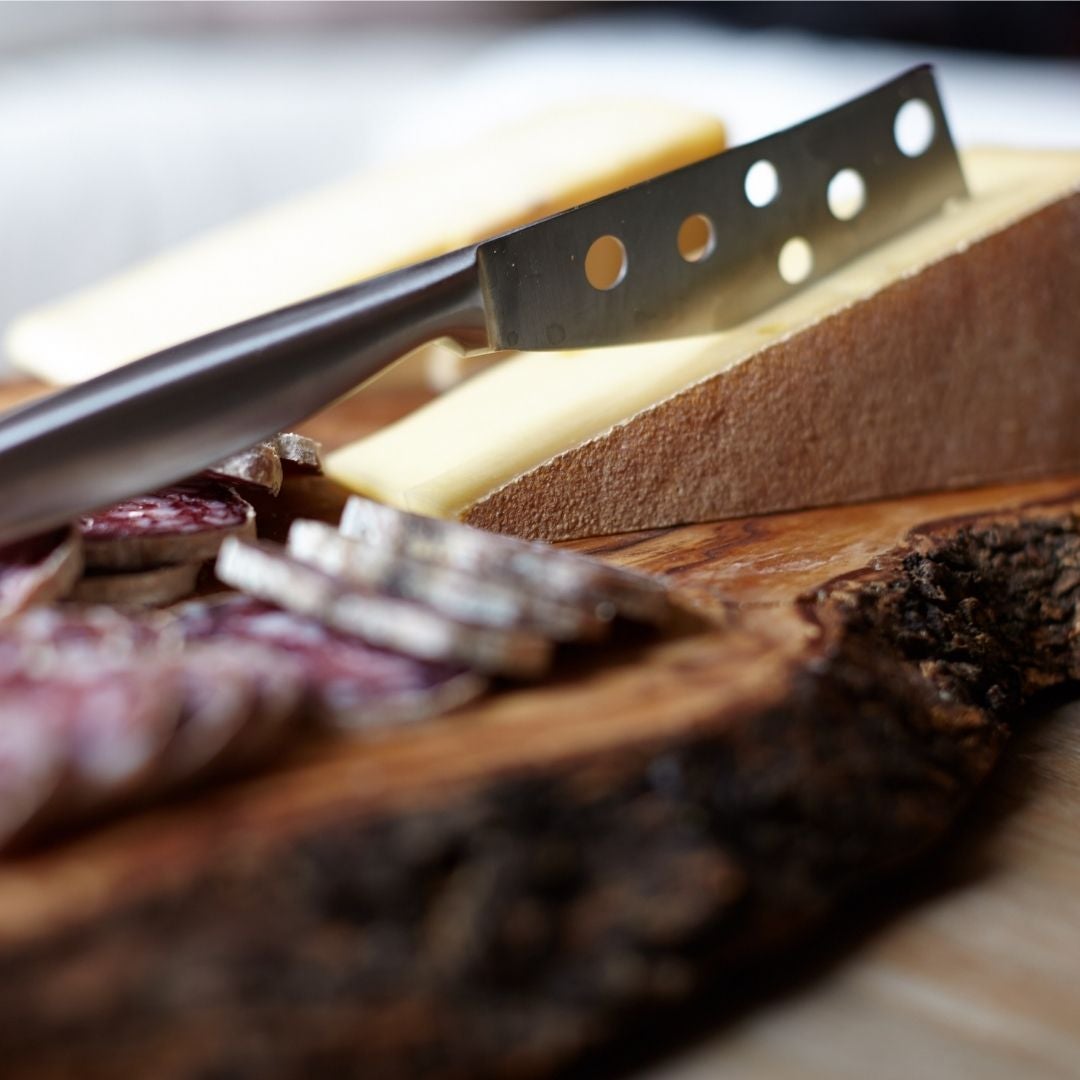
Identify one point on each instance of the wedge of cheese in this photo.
(362, 227)
(948, 357)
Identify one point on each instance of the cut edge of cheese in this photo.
(945, 357)
(369, 224)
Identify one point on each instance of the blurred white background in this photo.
(125, 128)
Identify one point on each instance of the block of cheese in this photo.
(364, 226)
(949, 356)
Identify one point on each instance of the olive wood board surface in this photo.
(661, 862)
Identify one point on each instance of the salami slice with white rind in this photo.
(267, 572)
(533, 567)
(257, 466)
(185, 523)
(38, 570)
(454, 592)
(351, 684)
(138, 588)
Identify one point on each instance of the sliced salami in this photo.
(185, 523)
(265, 571)
(38, 570)
(51, 639)
(80, 738)
(453, 592)
(298, 453)
(240, 705)
(138, 588)
(98, 709)
(533, 567)
(32, 754)
(351, 683)
(123, 715)
(258, 466)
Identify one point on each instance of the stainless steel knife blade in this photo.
(696, 250)
(840, 183)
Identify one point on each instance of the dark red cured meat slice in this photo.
(240, 704)
(52, 639)
(98, 708)
(32, 753)
(39, 569)
(82, 738)
(352, 683)
(183, 523)
(123, 718)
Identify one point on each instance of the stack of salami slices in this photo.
(150, 550)
(106, 699)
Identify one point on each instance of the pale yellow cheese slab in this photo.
(472, 447)
(364, 226)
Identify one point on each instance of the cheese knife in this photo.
(694, 251)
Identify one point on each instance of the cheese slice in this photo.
(947, 357)
(364, 226)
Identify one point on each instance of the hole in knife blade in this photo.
(762, 183)
(605, 262)
(914, 127)
(846, 194)
(697, 238)
(796, 261)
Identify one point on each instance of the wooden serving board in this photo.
(635, 854)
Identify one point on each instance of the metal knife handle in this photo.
(172, 414)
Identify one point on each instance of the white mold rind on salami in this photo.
(267, 572)
(534, 567)
(453, 592)
(298, 453)
(138, 588)
(257, 466)
(182, 524)
(351, 684)
(39, 570)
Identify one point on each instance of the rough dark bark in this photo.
(522, 920)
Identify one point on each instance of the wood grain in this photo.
(550, 870)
